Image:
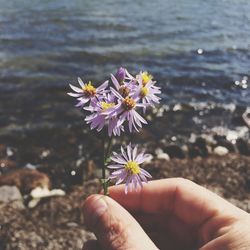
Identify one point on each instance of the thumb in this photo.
(113, 226)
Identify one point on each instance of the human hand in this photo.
(166, 214)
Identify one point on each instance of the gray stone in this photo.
(9, 194)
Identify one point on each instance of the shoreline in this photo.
(59, 222)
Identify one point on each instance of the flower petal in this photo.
(76, 89)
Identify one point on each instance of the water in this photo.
(199, 51)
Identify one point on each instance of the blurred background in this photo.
(198, 51)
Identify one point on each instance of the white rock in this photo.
(232, 135)
(177, 107)
(38, 193)
(30, 166)
(33, 203)
(149, 158)
(45, 154)
(192, 138)
(57, 192)
(43, 192)
(158, 151)
(219, 150)
(9, 152)
(80, 161)
(163, 156)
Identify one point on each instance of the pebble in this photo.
(158, 151)
(148, 159)
(9, 152)
(42, 192)
(219, 150)
(45, 154)
(163, 156)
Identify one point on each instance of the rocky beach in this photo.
(50, 161)
(69, 160)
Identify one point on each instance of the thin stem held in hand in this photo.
(106, 154)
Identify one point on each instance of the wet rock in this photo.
(174, 151)
(25, 179)
(243, 147)
(219, 150)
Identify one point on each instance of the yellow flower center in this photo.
(144, 91)
(129, 103)
(124, 91)
(146, 77)
(89, 90)
(106, 105)
(132, 167)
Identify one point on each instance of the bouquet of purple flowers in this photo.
(118, 107)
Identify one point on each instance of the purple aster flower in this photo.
(145, 77)
(98, 119)
(125, 111)
(127, 168)
(87, 92)
(124, 83)
(147, 92)
(124, 88)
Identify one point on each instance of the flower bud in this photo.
(120, 74)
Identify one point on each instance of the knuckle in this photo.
(182, 182)
(115, 234)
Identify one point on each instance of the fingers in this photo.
(184, 199)
(113, 226)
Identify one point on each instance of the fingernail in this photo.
(94, 208)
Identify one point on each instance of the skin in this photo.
(166, 214)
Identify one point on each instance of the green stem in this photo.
(106, 153)
(104, 161)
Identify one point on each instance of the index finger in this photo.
(188, 201)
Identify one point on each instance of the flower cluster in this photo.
(127, 169)
(119, 104)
